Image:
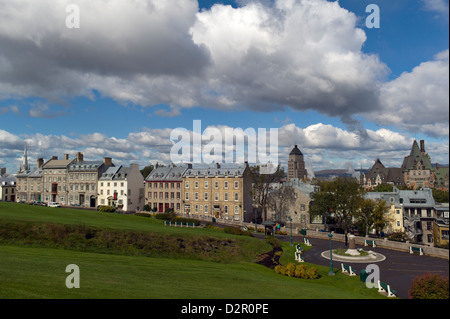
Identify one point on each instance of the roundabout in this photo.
(353, 255)
(371, 257)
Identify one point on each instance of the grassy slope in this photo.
(40, 272)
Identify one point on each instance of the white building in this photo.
(122, 187)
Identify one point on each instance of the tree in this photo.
(440, 196)
(379, 216)
(147, 170)
(280, 200)
(384, 188)
(365, 213)
(340, 200)
(262, 185)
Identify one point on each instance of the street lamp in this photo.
(331, 273)
(256, 214)
(290, 219)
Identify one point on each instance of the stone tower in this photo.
(296, 165)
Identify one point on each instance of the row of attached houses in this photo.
(77, 182)
(204, 192)
(416, 213)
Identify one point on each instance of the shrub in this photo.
(398, 236)
(274, 242)
(280, 269)
(301, 271)
(106, 209)
(237, 231)
(147, 208)
(290, 270)
(297, 271)
(312, 273)
(429, 286)
(142, 214)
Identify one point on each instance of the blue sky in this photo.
(124, 74)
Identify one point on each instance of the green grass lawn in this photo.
(33, 271)
(40, 273)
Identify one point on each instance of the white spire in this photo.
(25, 160)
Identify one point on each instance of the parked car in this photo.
(53, 204)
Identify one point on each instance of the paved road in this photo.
(397, 270)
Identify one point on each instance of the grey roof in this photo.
(295, 151)
(109, 174)
(234, 170)
(30, 173)
(388, 197)
(417, 198)
(85, 165)
(7, 180)
(305, 188)
(167, 173)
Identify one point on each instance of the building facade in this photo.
(123, 188)
(7, 186)
(30, 183)
(55, 180)
(163, 188)
(419, 215)
(83, 179)
(217, 192)
(441, 234)
(296, 206)
(395, 209)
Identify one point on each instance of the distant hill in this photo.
(329, 173)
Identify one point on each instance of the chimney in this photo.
(217, 165)
(422, 146)
(66, 156)
(134, 167)
(79, 157)
(54, 158)
(107, 161)
(2, 171)
(189, 166)
(39, 162)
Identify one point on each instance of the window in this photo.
(206, 184)
(196, 208)
(206, 209)
(225, 196)
(398, 223)
(225, 185)
(225, 209)
(216, 185)
(186, 184)
(236, 185)
(236, 196)
(216, 196)
(206, 196)
(196, 196)
(236, 209)
(196, 184)
(187, 196)
(303, 207)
